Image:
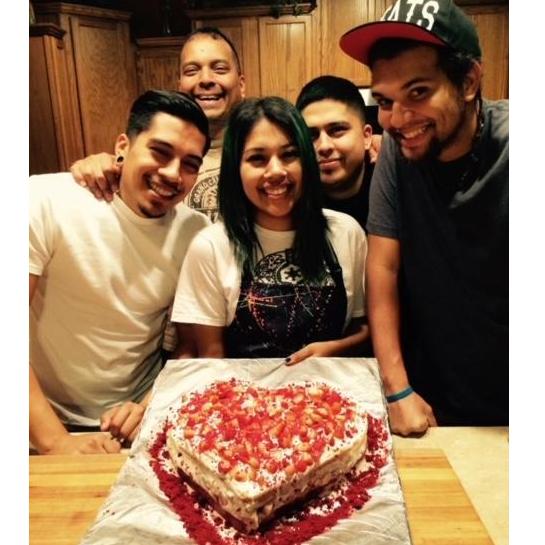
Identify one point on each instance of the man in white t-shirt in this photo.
(210, 71)
(102, 277)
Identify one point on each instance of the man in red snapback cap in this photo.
(437, 268)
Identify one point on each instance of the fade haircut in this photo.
(174, 103)
(455, 64)
(217, 34)
(311, 248)
(332, 88)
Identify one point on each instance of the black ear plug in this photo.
(119, 159)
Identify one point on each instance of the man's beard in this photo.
(436, 146)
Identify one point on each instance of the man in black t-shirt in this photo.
(334, 111)
(437, 268)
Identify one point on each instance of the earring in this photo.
(119, 159)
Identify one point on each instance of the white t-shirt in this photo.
(209, 284)
(203, 197)
(107, 278)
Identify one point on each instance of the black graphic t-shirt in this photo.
(279, 312)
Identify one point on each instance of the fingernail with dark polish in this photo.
(287, 360)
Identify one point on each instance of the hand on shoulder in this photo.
(99, 173)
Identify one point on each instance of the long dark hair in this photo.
(311, 247)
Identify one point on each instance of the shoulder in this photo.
(190, 217)
(388, 147)
(343, 226)
(213, 237)
(54, 185)
(336, 219)
(61, 192)
(497, 108)
(497, 114)
(390, 162)
(209, 248)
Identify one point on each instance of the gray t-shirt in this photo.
(452, 223)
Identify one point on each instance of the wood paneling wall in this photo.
(337, 17)
(492, 23)
(55, 137)
(106, 78)
(280, 55)
(158, 62)
(91, 79)
(286, 55)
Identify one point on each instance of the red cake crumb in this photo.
(300, 524)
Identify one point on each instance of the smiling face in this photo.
(340, 139)
(210, 75)
(421, 108)
(271, 174)
(160, 164)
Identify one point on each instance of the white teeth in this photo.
(162, 191)
(413, 133)
(208, 98)
(276, 191)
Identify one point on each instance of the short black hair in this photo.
(332, 88)
(175, 103)
(311, 247)
(216, 34)
(455, 64)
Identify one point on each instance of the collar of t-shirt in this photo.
(128, 214)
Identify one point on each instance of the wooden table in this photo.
(67, 491)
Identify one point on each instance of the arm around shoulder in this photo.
(99, 173)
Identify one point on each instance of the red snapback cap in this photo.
(438, 22)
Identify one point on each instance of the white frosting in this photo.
(251, 502)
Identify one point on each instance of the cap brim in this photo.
(358, 41)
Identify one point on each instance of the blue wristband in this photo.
(400, 395)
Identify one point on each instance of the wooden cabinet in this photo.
(286, 56)
(55, 138)
(338, 17)
(278, 54)
(492, 22)
(158, 62)
(100, 76)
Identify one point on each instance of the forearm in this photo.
(209, 341)
(186, 342)
(357, 333)
(45, 428)
(384, 322)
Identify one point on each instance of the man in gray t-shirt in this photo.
(438, 220)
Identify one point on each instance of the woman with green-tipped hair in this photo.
(278, 276)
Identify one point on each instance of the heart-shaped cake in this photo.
(254, 450)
